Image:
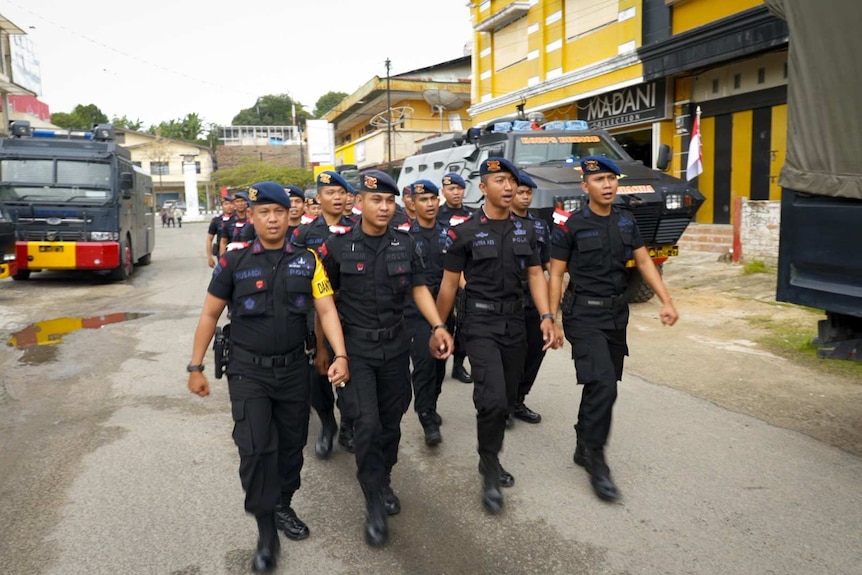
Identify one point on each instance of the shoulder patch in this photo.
(403, 228)
(339, 230)
(561, 216)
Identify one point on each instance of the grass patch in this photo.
(755, 267)
(792, 341)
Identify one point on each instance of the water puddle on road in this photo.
(38, 339)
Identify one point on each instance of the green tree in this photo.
(271, 110)
(327, 102)
(81, 118)
(251, 172)
(187, 129)
(125, 122)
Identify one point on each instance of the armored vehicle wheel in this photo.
(638, 290)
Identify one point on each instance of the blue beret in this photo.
(268, 193)
(311, 195)
(422, 187)
(525, 180)
(241, 196)
(294, 191)
(453, 178)
(494, 165)
(598, 165)
(227, 198)
(377, 181)
(330, 178)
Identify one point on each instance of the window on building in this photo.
(510, 44)
(160, 168)
(583, 16)
(737, 81)
(761, 75)
(785, 70)
(715, 86)
(138, 164)
(197, 167)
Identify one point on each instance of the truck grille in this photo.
(647, 221)
(53, 236)
(671, 229)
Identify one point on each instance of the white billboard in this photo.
(25, 63)
(321, 142)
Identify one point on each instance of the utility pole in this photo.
(388, 121)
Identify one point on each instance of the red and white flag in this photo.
(561, 216)
(695, 155)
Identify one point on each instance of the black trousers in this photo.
(322, 396)
(599, 355)
(270, 410)
(428, 373)
(497, 363)
(535, 355)
(376, 398)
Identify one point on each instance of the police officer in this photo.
(428, 372)
(373, 267)
(297, 204)
(535, 345)
(214, 232)
(232, 231)
(497, 254)
(270, 288)
(451, 213)
(593, 245)
(332, 190)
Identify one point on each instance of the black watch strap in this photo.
(190, 368)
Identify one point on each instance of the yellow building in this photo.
(425, 103)
(639, 68)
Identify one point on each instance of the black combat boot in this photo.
(390, 501)
(323, 446)
(492, 497)
(524, 413)
(286, 520)
(459, 372)
(431, 428)
(376, 528)
(600, 474)
(268, 544)
(506, 478)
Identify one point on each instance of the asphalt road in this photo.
(109, 465)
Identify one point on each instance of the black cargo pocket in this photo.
(399, 275)
(590, 252)
(250, 299)
(522, 252)
(627, 240)
(352, 277)
(583, 363)
(483, 252)
(348, 400)
(241, 428)
(479, 387)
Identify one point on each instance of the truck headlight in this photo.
(104, 236)
(572, 205)
(673, 201)
(8, 257)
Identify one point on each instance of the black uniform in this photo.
(494, 256)
(445, 216)
(371, 277)
(270, 294)
(234, 228)
(313, 235)
(428, 372)
(596, 249)
(535, 343)
(216, 228)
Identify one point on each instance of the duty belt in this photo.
(268, 360)
(385, 334)
(511, 306)
(606, 302)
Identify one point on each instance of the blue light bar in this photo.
(43, 133)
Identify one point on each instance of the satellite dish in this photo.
(440, 99)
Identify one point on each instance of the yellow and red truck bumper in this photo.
(8, 269)
(67, 255)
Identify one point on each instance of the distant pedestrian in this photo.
(171, 217)
(179, 213)
(164, 215)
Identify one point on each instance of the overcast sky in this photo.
(160, 60)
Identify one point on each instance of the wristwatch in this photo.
(549, 316)
(190, 368)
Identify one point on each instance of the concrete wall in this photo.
(289, 155)
(759, 230)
